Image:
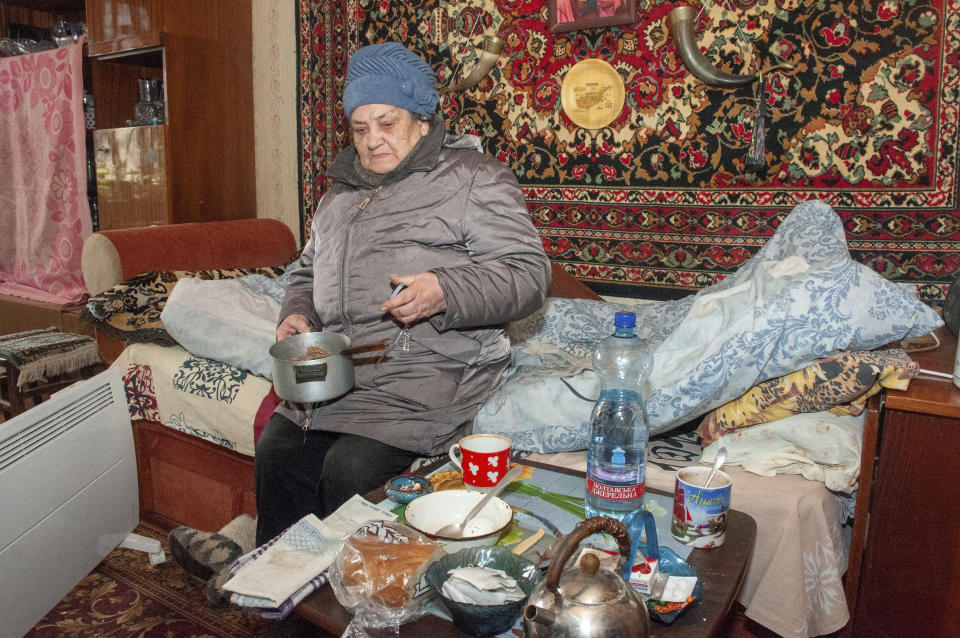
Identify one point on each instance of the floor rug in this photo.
(127, 596)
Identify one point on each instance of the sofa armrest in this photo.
(112, 256)
(566, 286)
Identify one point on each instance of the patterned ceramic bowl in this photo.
(403, 489)
(485, 620)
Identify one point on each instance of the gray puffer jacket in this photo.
(451, 210)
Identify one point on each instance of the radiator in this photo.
(68, 495)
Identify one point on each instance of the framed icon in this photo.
(572, 15)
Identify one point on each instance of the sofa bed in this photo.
(791, 335)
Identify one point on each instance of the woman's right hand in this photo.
(293, 325)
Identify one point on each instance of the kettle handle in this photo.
(567, 545)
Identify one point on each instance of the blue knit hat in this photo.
(389, 73)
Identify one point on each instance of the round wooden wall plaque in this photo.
(592, 93)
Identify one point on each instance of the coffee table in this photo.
(721, 571)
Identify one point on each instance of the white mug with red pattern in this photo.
(483, 459)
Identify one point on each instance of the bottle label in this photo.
(615, 492)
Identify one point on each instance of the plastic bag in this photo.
(378, 577)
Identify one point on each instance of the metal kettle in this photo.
(585, 601)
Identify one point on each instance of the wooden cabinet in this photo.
(123, 25)
(904, 572)
(19, 18)
(204, 153)
(132, 176)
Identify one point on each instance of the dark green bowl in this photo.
(485, 620)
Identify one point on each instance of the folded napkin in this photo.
(292, 565)
(481, 586)
(266, 608)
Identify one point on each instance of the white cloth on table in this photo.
(820, 446)
(304, 550)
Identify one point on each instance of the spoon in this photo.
(455, 530)
(721, 457)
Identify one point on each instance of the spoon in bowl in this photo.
(455, 530)
(721, 457)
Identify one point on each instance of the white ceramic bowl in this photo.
(432, 511)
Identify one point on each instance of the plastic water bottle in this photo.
(618, 425)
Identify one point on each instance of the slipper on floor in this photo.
(217, 596)
(202, 554)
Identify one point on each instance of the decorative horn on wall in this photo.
(490, 52)
(683, 27)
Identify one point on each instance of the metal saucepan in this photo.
(311, 380)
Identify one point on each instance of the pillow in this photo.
(230, 320)
(272, 286)
(130, 311)
(819, 446)
(544, 407)
(841, 383)
(224, 320)
(799, 299)
(574, 326)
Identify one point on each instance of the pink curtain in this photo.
(44, 214)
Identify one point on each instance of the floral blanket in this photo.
(202, 397)
(799, 300)
(130, 311)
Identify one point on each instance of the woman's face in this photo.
(384, 134)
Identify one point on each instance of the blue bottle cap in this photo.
(624, 320)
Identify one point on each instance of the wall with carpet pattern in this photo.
(659, 202)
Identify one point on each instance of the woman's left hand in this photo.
(421, 298)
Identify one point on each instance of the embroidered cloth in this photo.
(39, 354)
(44, 211)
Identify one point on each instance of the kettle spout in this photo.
(545, 617)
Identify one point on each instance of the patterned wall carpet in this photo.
(659, 201)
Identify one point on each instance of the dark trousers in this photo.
(298, 473)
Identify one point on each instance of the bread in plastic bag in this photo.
(378, 576)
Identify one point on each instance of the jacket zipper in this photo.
(343, 260)
(364, 203)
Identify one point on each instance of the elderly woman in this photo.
(411, 205)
